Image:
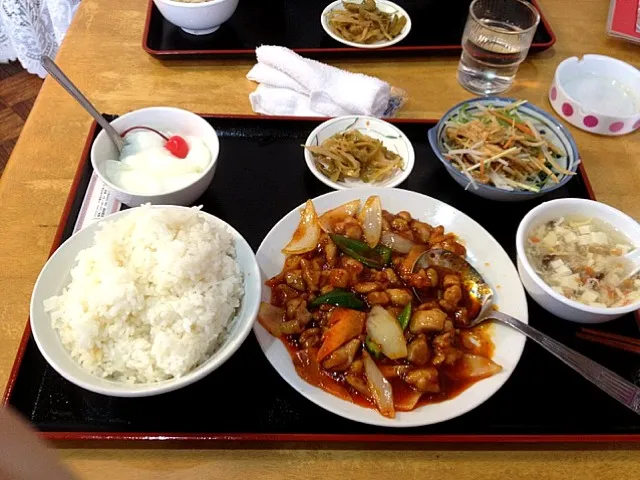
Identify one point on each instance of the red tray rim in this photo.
(211, 438)
(345, 50)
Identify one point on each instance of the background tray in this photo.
(437, 27)
(260, 177)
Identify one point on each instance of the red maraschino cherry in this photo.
(176, 145)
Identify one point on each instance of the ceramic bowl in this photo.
(55, 275)
(542, 293)
(391, 137)
(384, 6)
(548, 126)
(598, 94)
(197, 18)
(163, 119)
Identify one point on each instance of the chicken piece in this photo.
(405, 215)
(437, 235)
(452, 295)
(399, 224)
(421, 230)
(449, 280)
(445, 350)
(424, 379)
(292, 262)
(448, 325)
(311, 337)
(366, 287)
(341, 359)
(392, 277)
(330, 253)
(433, 276)
(452, 246)
(461, 316)
(429, 305)
(399, 296)
(338, 277)
(357, 367)
(283, 293)
(378, 298)
(418, 351)
(348, 227)
(427, 321)
(359, 384)
(297, 310)
(311, 275)
(352, 266)
(293, 278)
(446, 306)
(418, 279)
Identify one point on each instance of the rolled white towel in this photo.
(329, 90)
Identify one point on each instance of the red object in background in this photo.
(623, 19)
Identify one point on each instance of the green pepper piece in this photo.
(385, 253)
(405, 316)
(377, 257)
(372, 347)
(339, 298)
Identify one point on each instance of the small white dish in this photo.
(197, 18)
(384, 6)
(483, 251)
(391, 137)
(55, 275)
(598, 94)
(164, 119)
(542, 293)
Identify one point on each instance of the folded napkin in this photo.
(294, 85)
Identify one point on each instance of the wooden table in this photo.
(102, 54)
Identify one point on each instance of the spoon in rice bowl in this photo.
(481, 293)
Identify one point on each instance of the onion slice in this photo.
(370, 219)
(396, 242)
(330, 218)
(384, 329)
(380, 387)
(271, 318)
(475, 366)
(307, 235)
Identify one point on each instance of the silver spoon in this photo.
(55, 72)
(612, 383)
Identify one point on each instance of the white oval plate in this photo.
(384, 6)
(483, 251)
(391, 137)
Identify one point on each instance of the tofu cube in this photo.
(584, 239)
(557, 263)
(570, 237)
(599, 238)
(584, 229)
(589, 296)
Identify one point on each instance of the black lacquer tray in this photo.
(260, 177)
(437, 28)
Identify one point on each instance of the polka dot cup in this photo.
(598, 94)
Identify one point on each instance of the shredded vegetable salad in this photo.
(501, 147)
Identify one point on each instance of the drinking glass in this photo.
(496, 40)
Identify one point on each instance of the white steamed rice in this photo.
(152, 298)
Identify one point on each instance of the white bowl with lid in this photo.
(598, 94)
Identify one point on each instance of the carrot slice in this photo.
(345, 324)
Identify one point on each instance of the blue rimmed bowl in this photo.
(548, 126)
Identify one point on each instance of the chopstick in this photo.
(610, 339)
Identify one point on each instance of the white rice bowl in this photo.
(152, 298)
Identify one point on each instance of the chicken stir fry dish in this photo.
(362, 323)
